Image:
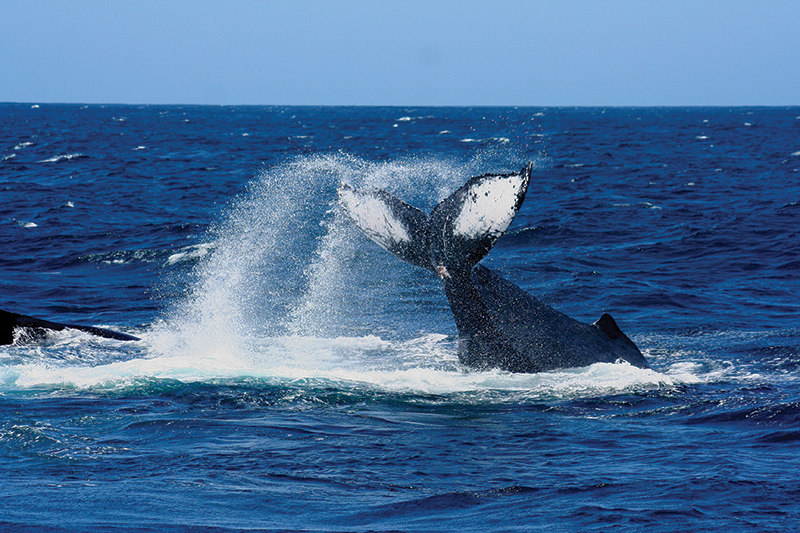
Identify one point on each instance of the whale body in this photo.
(11, 321)
(499, 324)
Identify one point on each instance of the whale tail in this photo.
(460, 230)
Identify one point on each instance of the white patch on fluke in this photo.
(490, 206)
(374, 217)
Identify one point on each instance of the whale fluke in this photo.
(499, 324)
(391, 223)
(10, 321)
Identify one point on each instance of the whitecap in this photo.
(648, 205)
(701, 137)
(797, 154)
(140, 148)
(64, 157)
(25, 224)
(403, 119)
(190, 253)
(12, 156)
(22, 145)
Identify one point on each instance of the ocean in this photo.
(293, 376)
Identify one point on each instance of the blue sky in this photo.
(381, 52)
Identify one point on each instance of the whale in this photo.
(38, 328)
(500, 326)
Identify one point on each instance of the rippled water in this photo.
(293, 376)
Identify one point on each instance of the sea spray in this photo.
(285, 261)
(249, 281)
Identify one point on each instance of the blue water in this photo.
(293, 377)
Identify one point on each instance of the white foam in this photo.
(424, 365)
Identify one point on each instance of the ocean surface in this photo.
(292, 376)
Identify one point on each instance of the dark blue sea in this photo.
(292, 376)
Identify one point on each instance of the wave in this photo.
(171, 257)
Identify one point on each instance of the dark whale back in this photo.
(551, 338)
(11, 321)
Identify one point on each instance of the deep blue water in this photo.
(292, 376)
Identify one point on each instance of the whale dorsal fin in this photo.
(466, 225)
(609, 326)
(391, 223)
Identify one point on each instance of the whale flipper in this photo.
(10, 321)
(499, 324)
